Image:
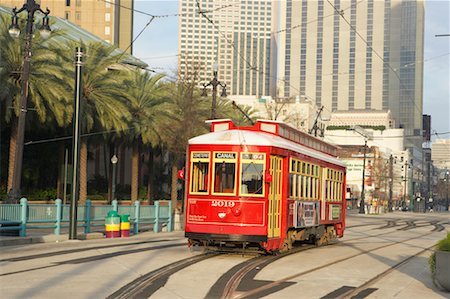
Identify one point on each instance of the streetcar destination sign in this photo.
(200, 155)
(253, 156)
(225, 156)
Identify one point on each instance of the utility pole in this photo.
(76, 145)
(391, 181)
(362, 202)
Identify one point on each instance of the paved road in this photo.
(381, 256)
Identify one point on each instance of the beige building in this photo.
(234, 35)
(369, 56)
(440, 153)
(111, 20)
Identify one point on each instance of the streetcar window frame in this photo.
(305, 176)
(242, 167)
(334, 184)
(221, 161)
(194, 187)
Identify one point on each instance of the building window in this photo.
(67, 15)
(107, 17)
(78, 16)
(107, 30)
(78, 2)
(67, 2)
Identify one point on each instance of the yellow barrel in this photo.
(125, 226)
(112, 227)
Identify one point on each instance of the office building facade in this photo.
(111, 20)
(236, 36)
(356, 55)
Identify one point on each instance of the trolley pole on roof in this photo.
(214, 83)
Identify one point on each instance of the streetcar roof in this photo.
(257, 138)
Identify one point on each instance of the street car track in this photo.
(246, 274)
(149, 283)
(62, 252)
(95, 258)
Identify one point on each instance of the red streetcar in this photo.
(264, 186)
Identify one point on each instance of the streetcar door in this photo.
(275, 192)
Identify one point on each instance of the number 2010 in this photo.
(223, 203)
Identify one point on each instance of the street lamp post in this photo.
(31, 7)
(391, 182)
(362, 203)
(114, 161)
(446, 189)
(214, 83)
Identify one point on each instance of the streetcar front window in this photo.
(252, 178)
(200, 177)
(224, 177)
(199, 172)
(252, 170)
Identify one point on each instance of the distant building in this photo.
(234, 35)
(440, 153)
(373, 62)
(110, 20)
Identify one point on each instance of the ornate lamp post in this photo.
(214, 83)
(114, 161)
(31, 7)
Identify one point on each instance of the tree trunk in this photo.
(135, 172)
(150, 176)
(61, 161)
(83, 171)
(174, 189)
(12, 153)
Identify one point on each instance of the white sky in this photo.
(158, 47)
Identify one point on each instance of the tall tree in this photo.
(188, 112)
(145, 97)
(49, 104)
(103, 95)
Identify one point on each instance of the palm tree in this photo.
(49, 104)
(103, 106)
(144, 99)
(188, 112)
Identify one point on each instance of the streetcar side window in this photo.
(199, 172)
(252, 174)
(224, 172)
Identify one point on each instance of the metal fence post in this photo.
(87, 216)
(115, 205)
(137, 212)
(156, 226)
(58, 203)
(169, 223)
(23, 217)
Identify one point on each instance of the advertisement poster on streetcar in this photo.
(306, 214)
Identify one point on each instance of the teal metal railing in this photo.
(26, 216)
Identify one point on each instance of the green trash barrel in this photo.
(112, 225)
(125, 225)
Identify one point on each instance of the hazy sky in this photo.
(158, 47)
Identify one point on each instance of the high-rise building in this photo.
(111, 20)
(356, 55)
(234, 35)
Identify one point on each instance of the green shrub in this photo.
(442, 245)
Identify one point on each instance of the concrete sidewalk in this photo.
(42, 237)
